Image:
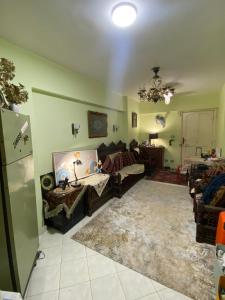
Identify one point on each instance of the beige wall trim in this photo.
(64, 97)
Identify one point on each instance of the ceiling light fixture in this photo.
(124, 14)
(157, 92)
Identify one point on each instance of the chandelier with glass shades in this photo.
(157, 92)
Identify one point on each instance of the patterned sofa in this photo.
(208, 192)
(122, 165)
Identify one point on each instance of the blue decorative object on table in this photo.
(99, 167)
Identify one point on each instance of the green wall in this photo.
(173, 128)
(52, 127)
(132, 106)
(59, 97)
(173, 114)
(221, 122)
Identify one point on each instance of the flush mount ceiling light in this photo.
(158, 91)
(124, 14)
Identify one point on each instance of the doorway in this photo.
(198, 133)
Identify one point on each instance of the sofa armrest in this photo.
(208, 214)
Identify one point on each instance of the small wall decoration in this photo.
(134, 120)
(97, 124)
(160, 120)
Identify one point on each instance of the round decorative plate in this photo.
(47, 182)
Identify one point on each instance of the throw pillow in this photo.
(213, 187)
(219, 198)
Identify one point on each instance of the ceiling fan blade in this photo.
(187, 93)
(174, 84)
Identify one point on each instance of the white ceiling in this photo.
(186, 38)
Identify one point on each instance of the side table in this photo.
(64, 209)
(99, 191)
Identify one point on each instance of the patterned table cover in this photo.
(98, 181)
(195, 160)
(57, 200)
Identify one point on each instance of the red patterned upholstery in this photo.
(108, 165)
(118, 163)
(126, 159)
(132, 157)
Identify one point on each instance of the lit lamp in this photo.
(76, 162)
(152, 136)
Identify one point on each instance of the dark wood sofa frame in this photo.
(90, 202)
(206, 218)
(93, 201)
(120, 187)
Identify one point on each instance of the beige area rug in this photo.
(151, 230)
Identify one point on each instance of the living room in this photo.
(72, 60)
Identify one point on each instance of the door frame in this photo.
(214, 109)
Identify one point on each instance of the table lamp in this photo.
(152, 136)
(76, 162)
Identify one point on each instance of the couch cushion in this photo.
(213, 187)
(219, 198)
(132, 170)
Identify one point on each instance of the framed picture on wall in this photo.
(97, 124)
(134, 120)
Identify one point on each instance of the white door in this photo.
(198, 133)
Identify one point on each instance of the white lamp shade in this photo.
(167, 97)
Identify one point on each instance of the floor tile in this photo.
(49, 239)
(100, 265)
(119, 267)
(51, 256)
(135, 285)
(158, 286)
(43, 280)
(150, 297)
(46, 296)
(72, 250)
(90, 252)
(73, 272)
(80, 291)
(107, 288)
(169, 294)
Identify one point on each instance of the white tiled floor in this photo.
(71, 271)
